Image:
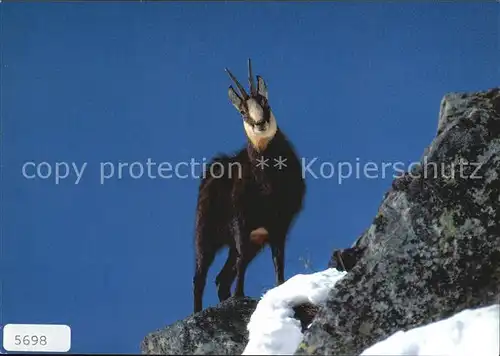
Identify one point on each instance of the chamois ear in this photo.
(235, 98)
(262, 87)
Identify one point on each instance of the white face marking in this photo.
(255, 111)
(260, 139)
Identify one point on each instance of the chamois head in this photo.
(258, 120)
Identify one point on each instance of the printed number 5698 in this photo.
(30, 340)
(36, 338)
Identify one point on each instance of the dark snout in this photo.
(261, 126)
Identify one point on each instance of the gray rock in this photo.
(219, 330)
(434, 247)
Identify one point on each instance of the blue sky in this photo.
(124, 82)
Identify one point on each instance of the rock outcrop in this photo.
(433, 248)
(219, 330)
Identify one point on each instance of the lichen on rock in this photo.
(433, 249)
(219, 330)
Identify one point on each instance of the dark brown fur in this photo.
(231, 207)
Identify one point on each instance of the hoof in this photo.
(223, 295)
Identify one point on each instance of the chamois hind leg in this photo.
(204, 257)
(225, 278)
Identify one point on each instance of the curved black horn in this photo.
(240, 87)
(253, 90)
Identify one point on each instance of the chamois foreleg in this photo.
(226, 276)
(242, 240)
(246, 251)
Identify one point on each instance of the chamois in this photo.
(248, 200)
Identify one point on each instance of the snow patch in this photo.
(274, 331)
(272, 328)
(469, 332)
